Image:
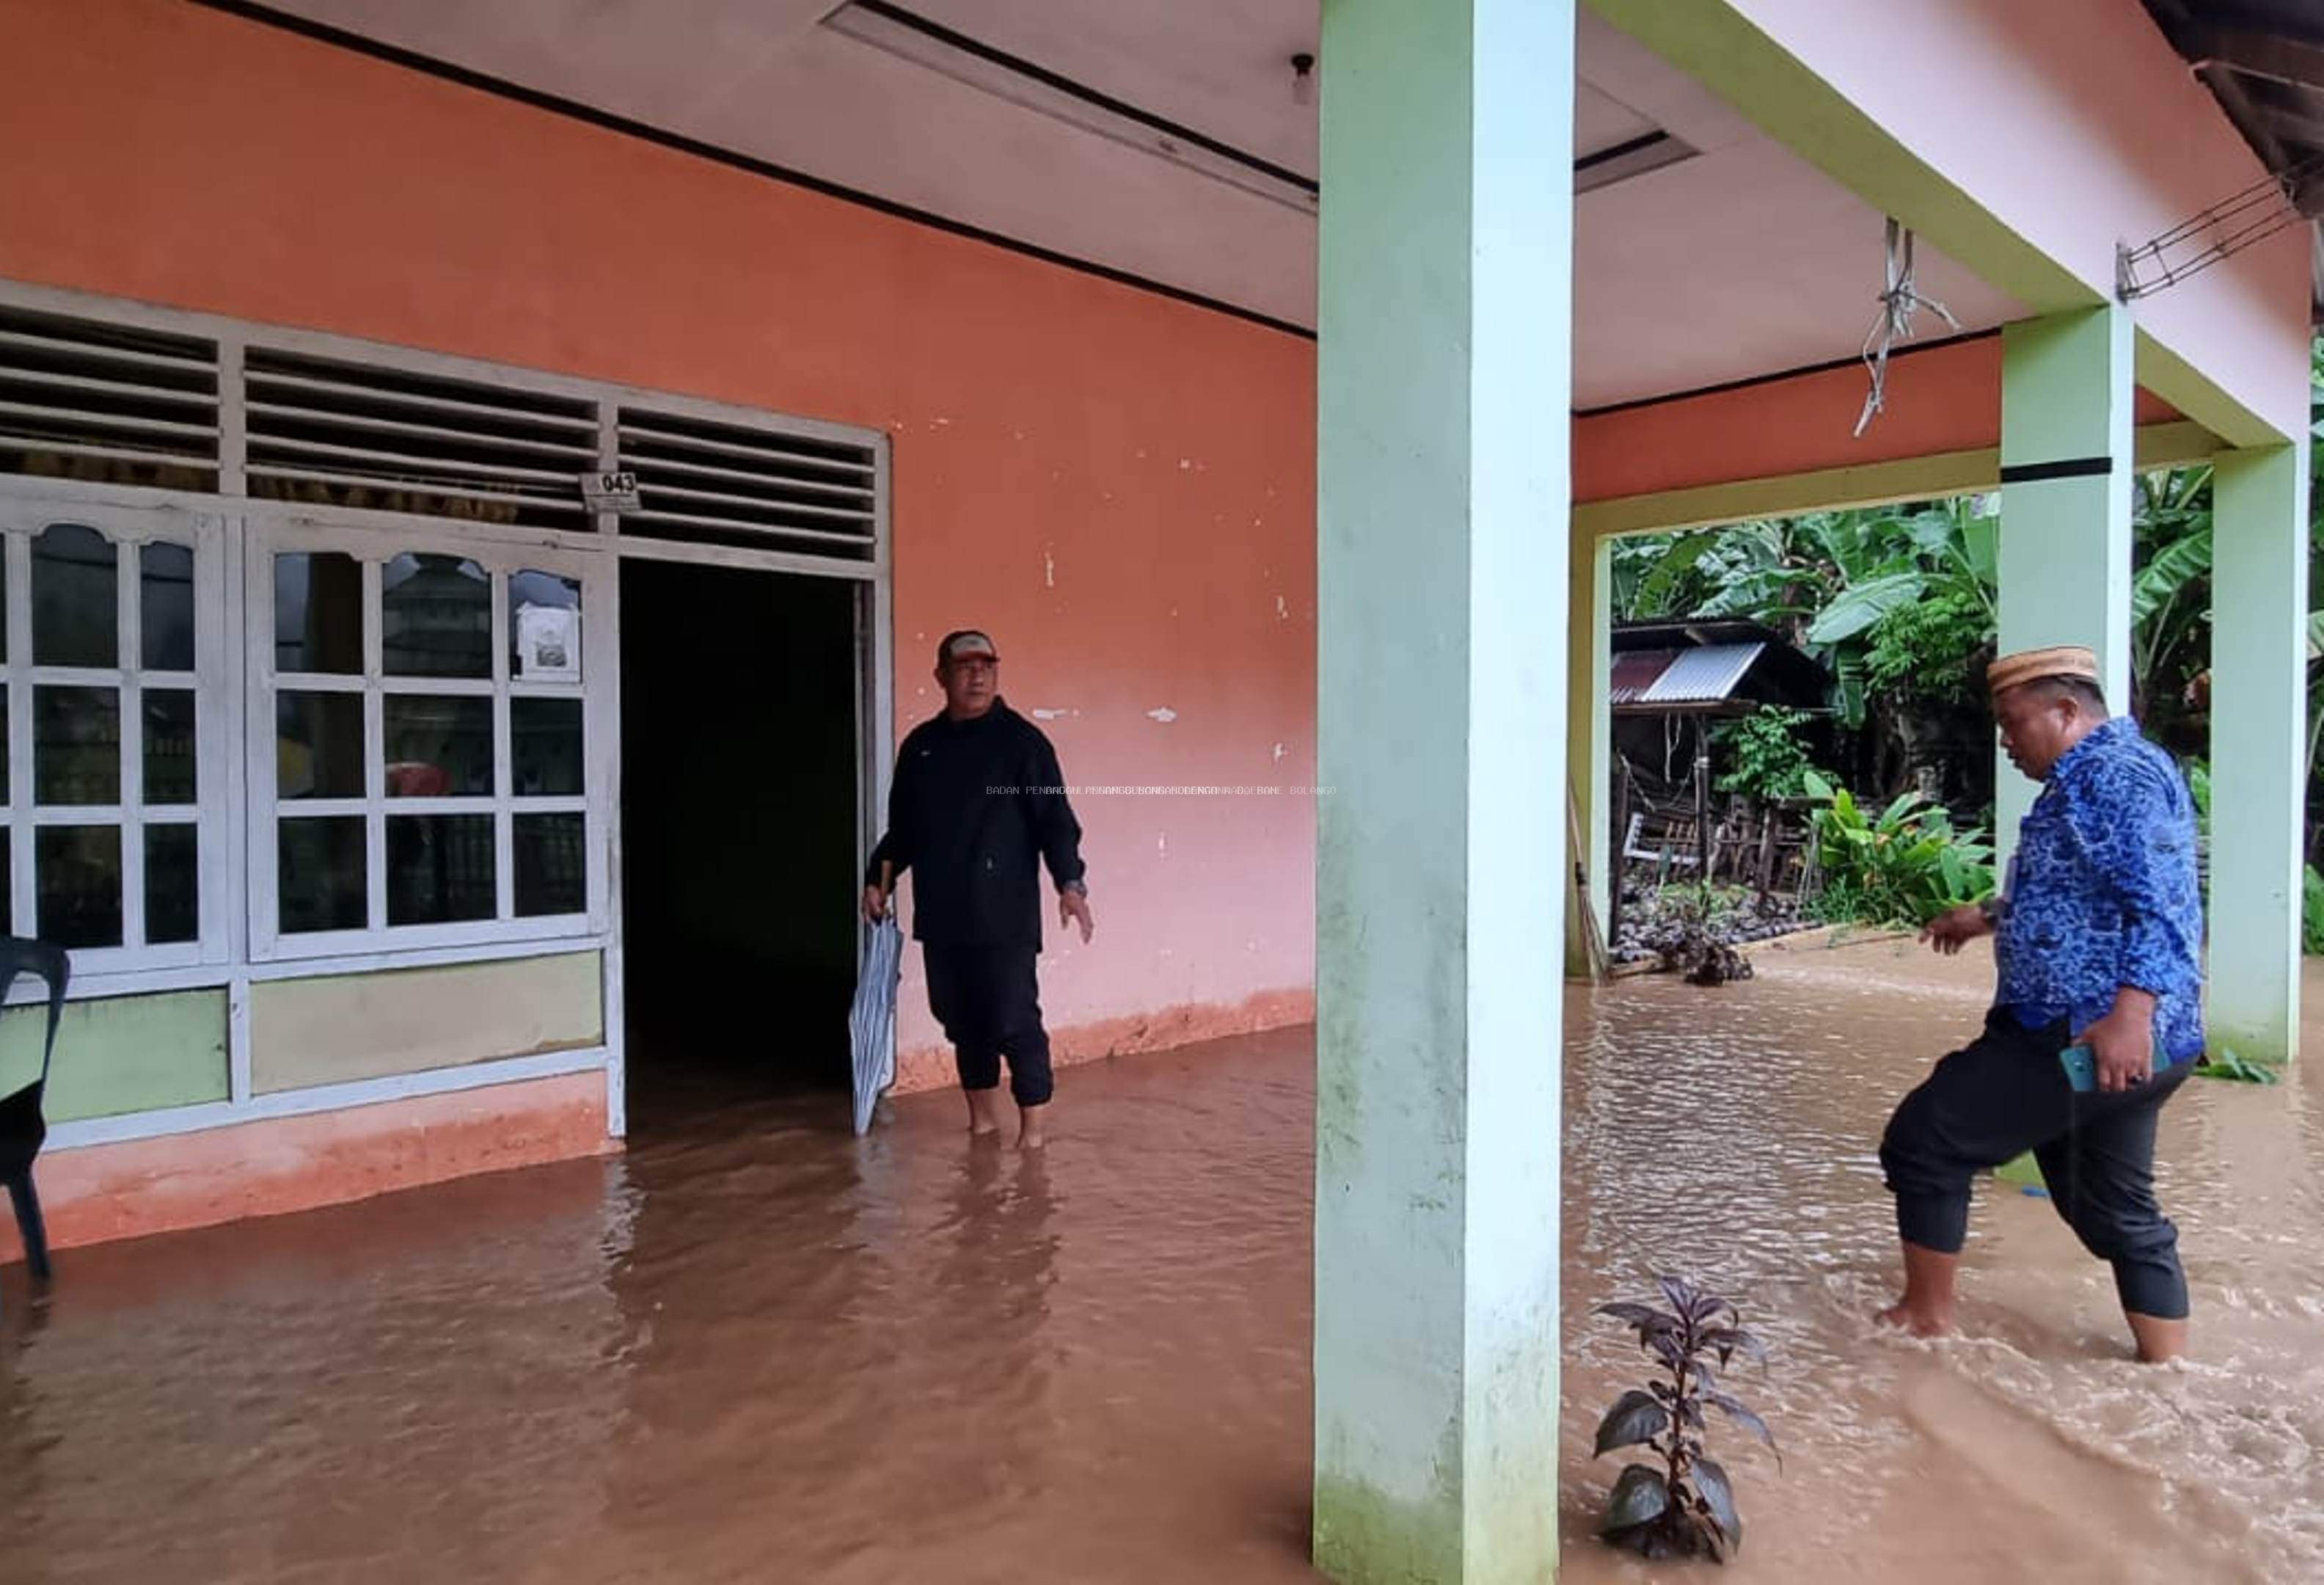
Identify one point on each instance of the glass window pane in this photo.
(169, 745)
(317, 613)
(552, 868)
(319, 874)
(75, 745)
(4, 784)
(165, 577)
(438, 747)
(76, 876)
(76, 621)
(439, 868)
(437, 618)
(8, 885)
(546, 745)
(544, 627)
(172, 884)
(318, 744)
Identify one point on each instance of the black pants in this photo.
(988, 1001)
(2005, 1094)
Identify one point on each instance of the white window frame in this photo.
(22, 518)
(230, 813)
(266, 534)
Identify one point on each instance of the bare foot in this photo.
(1031, 1133)
(1926, 1310)
(983, 1114)
(1908, 1319)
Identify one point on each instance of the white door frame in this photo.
(874, 667)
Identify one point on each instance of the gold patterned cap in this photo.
(2035, 665)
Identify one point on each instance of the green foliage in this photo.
(1898, 602)
(2312, 911)
(1930, 649)
(2225, 1064)
(2170, 599)
(1870, 593)
(1763, 753)
(1865, 606)
(2199, 788)
(1905, 867)
(1691, 902)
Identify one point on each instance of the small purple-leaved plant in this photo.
(1687, 1508)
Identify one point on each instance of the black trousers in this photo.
(2005, 1094)
(988, 1001)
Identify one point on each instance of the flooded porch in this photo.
(757, 1351)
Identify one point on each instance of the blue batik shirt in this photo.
(2103, 894)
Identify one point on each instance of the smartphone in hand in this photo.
(2081, 1068)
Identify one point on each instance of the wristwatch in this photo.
(1995, 909)
(1078, 887)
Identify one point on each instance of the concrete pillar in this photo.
(2067, 390)
(1444, 395)
(2259, 740)
(1589, 725)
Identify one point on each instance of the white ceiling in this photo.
(1742, 260)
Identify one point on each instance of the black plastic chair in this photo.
(23, 1128)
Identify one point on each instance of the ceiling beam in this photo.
(2232, 46)
(2269, 57)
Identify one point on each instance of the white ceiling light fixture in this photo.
(1030, 87)
(894, 31)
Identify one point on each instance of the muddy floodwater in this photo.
(753, 1350)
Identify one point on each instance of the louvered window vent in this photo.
(107, 403)
(352, 434)
(727, 484)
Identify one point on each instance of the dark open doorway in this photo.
(739, 801)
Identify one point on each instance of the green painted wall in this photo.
(1443, 575)
(2259, 708)
(342, 1028)
(121, 1054)
(2067, 395)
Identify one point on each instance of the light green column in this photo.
(2067, 390)
(2259, 718)
(1589, 722)
(1443, 391)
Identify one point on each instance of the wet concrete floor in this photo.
(755, 1350)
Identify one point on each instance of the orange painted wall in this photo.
(1118, 485)
(1940, 398)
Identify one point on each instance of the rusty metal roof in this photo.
(1636, 671)
(1708, 674)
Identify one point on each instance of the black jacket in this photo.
(974, 808)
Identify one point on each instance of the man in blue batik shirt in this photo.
(2099, 942)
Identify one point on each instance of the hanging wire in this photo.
(1898, 304)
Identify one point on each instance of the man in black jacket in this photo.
(977, 806)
